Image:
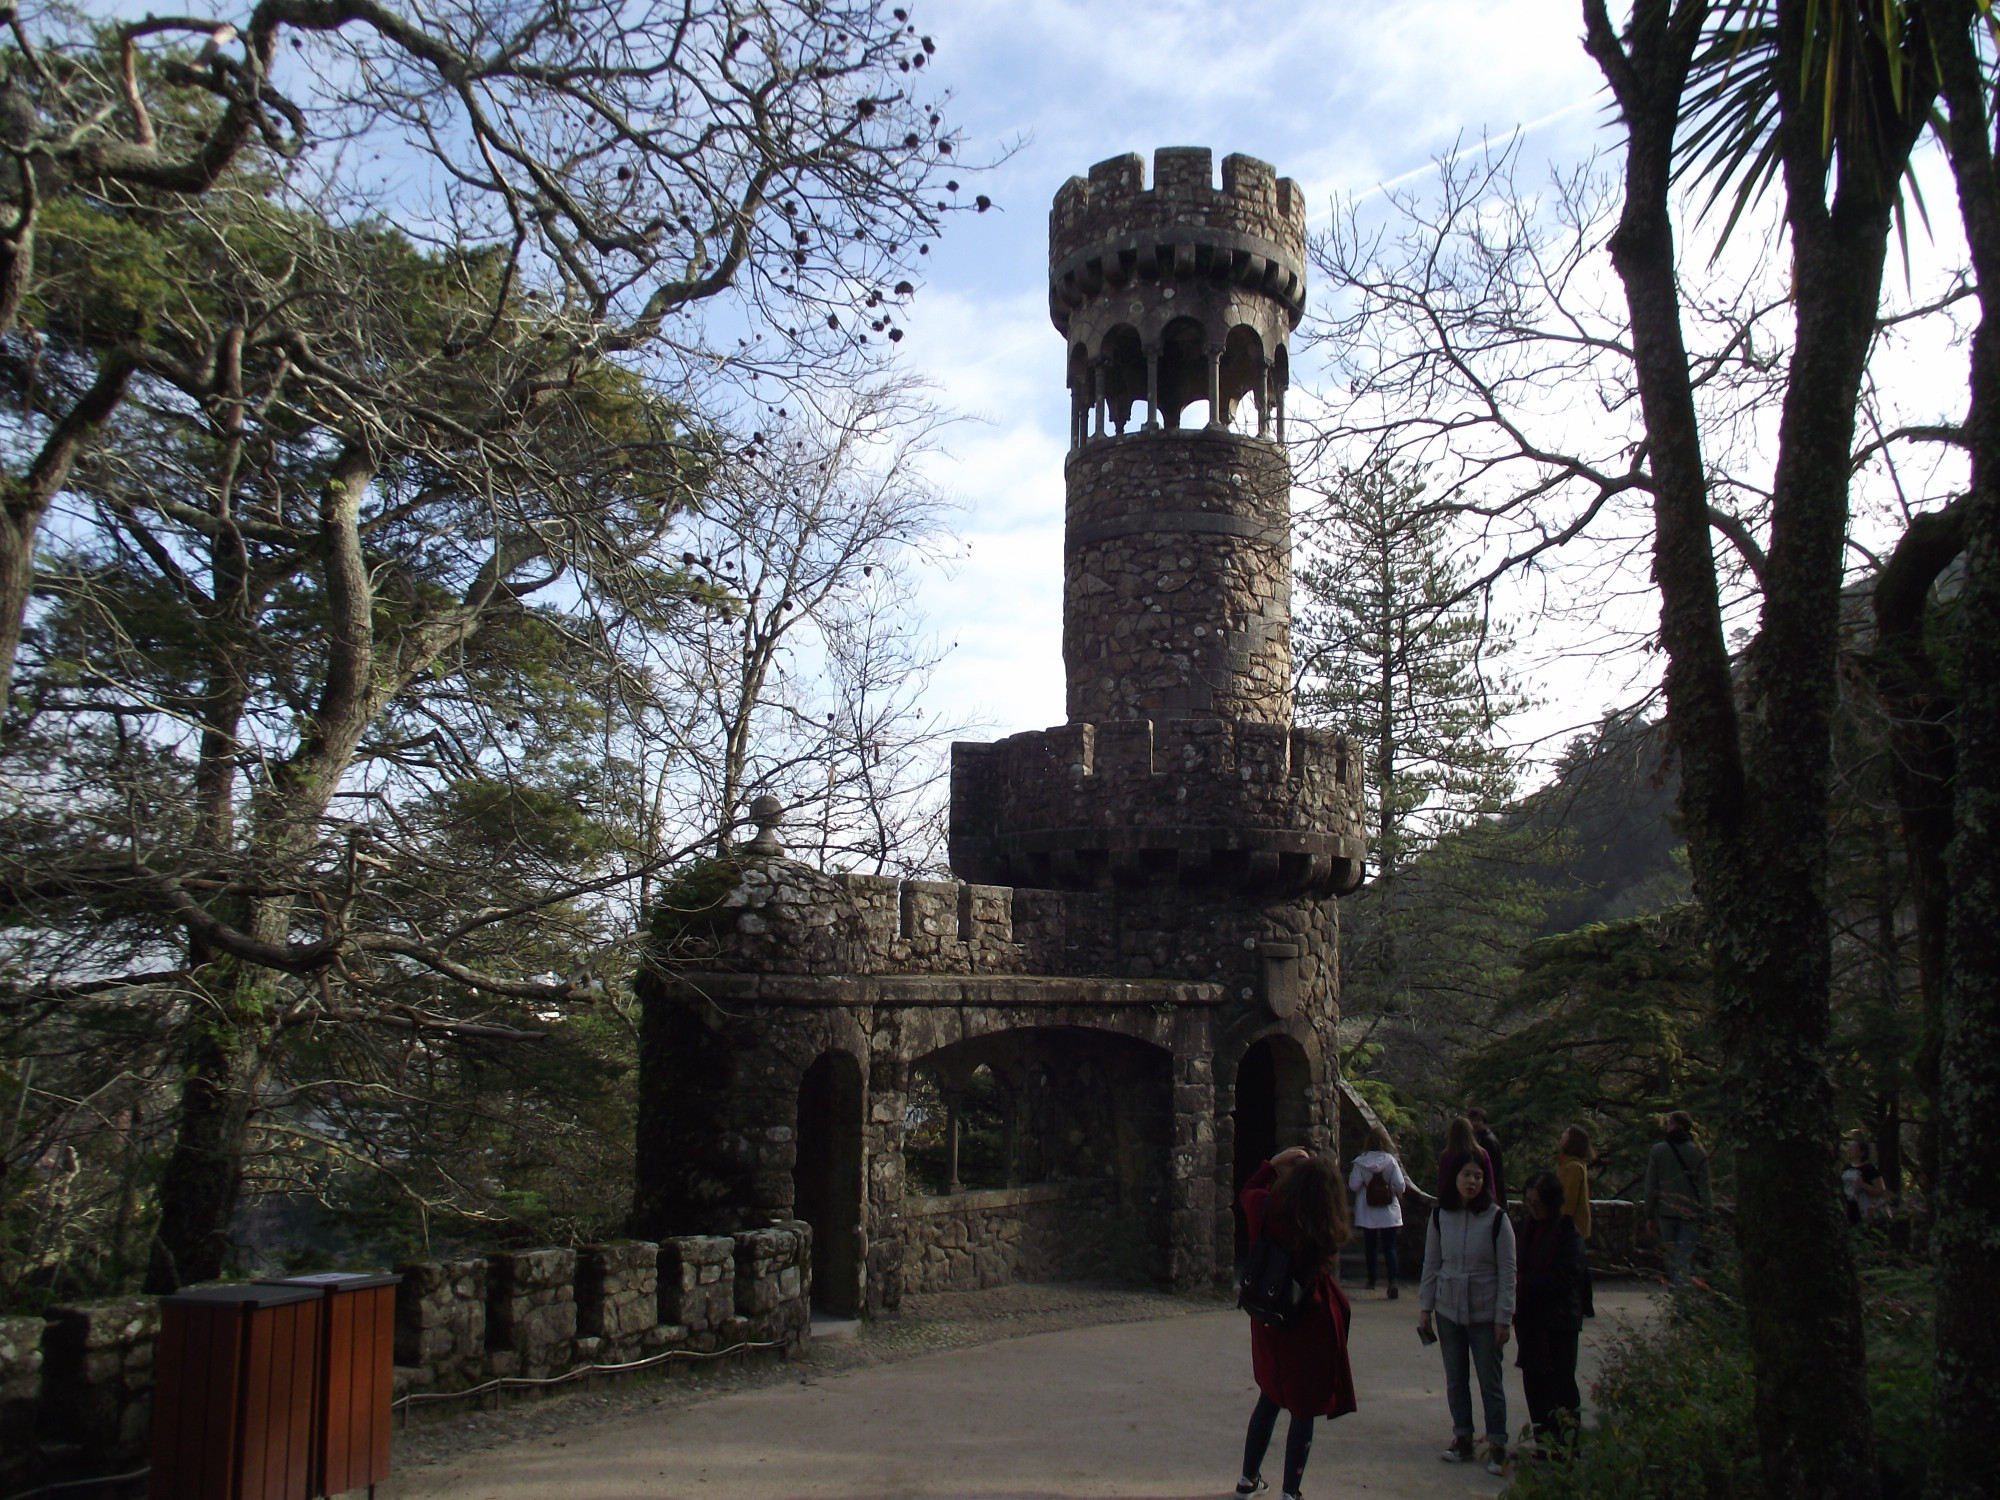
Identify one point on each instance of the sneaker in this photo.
(1393, 1293)
(1245, 1488)
(1496, 1458)
(1460, 1451)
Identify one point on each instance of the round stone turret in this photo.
(1178, 303)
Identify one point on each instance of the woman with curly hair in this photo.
(1302, 1367)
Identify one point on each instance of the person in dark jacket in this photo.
(1490, 1144)
(1301, 1368)
(1460, 1146)
(1548, 1312)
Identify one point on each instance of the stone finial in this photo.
(767, 812)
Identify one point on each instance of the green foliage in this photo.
(689, 906)
(1609, 1027)
(1674, 1404)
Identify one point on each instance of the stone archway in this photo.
(827, 1180)
(1273, 1110)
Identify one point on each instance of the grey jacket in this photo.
(1677, 1185)
(1468, 1267)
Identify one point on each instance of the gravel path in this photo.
(1023, 1393)
(925, 1325)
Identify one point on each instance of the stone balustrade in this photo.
(76, 1386)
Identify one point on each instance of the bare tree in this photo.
(627, 168)
(1726, 393)
(355, 480)
(801, 678)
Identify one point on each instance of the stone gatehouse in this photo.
(1133, 984)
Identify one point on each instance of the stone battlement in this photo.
(1192, 801)
(1109, 228)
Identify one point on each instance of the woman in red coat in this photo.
(1301, 1368)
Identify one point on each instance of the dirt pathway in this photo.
(1000, 1396)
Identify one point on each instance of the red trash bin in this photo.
(353, 1391)
(234, 1379)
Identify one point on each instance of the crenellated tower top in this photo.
(1179, 763)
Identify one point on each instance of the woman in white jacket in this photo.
(1377, 1172)
(1469, 1285)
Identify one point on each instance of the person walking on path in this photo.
(1469, 1287)
(1548, 1313)
(1490, 1144)
(1301, 1368)
(1677, 1194)
(1862, 1185)
(1378, 1185)
(1573, 1172)
(1459, 1148)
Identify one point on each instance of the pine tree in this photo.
(1394, 650)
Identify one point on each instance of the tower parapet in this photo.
(1190, 802)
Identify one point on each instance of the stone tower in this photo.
(1134, 975)
(1178, 765)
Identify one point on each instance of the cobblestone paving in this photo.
(925, 1325)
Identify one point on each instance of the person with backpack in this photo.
(1378, 1185)
(1469, 1289)
(1299, 1315)
(1677, 1194)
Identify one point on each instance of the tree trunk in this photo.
(222, 1066)
(1965, 1199)
(1756, 754)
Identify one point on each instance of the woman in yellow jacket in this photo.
(1573, 1171)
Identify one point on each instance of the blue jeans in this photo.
(1679, 1238)
(1385, 1239)
(1455, 1342)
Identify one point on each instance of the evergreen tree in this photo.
(1395, 651)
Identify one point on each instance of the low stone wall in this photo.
(1047, 1231)
(20, 1397)
(76, 1387)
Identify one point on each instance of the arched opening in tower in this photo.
(1183, 371)
(1273, 1111)
(827, 1180)
(1038, 1154)
(1124, 365)
(1245, 404)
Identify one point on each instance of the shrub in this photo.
(1673, 1404)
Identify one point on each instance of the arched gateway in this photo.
(1132, 988)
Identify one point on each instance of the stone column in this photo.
(1192, 1260)
(1215, 422)
(1153, 390)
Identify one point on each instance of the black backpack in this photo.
(1266, 1289)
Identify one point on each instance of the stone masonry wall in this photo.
(76, 1387)
(531, 1312)
(20, 1395)
(96, 1387)
(1056, 1231)
(1177, 579)
(617, 1299)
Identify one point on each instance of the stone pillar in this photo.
(441, 1321)
(1191, 1261)
(531, 1312)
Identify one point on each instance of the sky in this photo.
(1343, 96)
